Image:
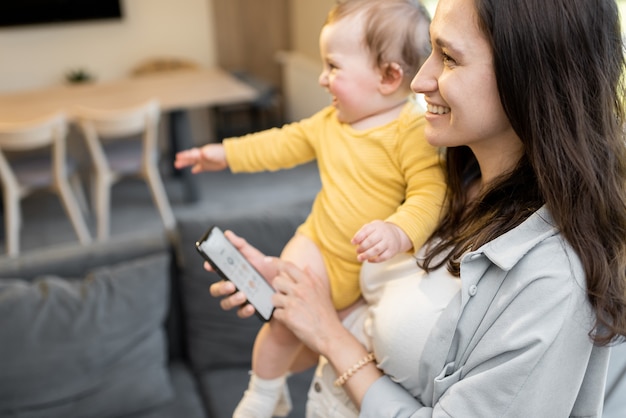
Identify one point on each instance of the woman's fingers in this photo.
(245, 311)
(222, 288)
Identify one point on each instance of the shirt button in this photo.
(472, 290)
(317, 387)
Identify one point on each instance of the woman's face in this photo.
(459, 85)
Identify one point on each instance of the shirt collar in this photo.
(506, 250)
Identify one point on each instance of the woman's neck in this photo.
(496, 158)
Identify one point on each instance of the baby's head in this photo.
(394, 31)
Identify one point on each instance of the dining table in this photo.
(177, 91)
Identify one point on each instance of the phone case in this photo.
(231, 265)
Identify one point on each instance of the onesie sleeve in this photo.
(422, 165)
(275, 148)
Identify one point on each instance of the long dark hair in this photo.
(559, 69)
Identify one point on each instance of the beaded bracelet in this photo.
(352, 370)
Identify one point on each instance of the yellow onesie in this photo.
(388, 172)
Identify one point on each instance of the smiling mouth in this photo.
(438, 110)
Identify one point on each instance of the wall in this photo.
(308, 17)
(248, 35)
(302, 64)
(37, 56)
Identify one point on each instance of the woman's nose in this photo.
(425, 80)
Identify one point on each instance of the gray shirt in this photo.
(514, 342)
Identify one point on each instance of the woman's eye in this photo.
(447, 59)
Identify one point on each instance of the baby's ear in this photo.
(392, 77)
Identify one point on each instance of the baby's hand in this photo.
(379, 241)
(210, 157)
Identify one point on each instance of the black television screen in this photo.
(33, 12)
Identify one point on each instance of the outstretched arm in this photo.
(210, 157)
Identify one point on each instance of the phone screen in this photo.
(230, 264)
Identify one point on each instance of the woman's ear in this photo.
(392, 77)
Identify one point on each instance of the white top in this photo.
(398, 324)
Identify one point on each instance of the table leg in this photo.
(180, 139)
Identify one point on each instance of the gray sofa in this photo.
(127, 328)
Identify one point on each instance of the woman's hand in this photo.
(231, 298)
(302, 301)
(267, 266)
(304, 305)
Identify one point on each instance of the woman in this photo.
(526, 96)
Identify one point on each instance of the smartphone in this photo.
(231, 265)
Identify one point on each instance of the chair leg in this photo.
(12, 223)
(79, 193)
(73, 211)
(102, 206)
(161, 200)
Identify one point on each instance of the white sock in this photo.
(264, 398)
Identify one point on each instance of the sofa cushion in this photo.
(187, 401)
(87, 347)
(218, 338)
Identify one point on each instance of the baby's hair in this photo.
(395, 31)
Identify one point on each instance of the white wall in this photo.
(303, 94)
(307, 18)
(302, 65)
(37, 56)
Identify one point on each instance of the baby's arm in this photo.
(379, 241)
(210, 157)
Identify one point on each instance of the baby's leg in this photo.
(303, 252)
(275, 347)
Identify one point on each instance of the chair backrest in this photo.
(28, 135)
(99, 125)
(20, 175)
(124, 156)
(121, 122)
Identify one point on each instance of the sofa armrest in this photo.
(74, 260)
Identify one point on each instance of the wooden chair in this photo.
(123, 143)
(32, 157)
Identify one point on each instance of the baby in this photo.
(382, 183)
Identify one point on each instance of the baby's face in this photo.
(349, 73)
